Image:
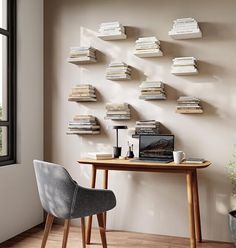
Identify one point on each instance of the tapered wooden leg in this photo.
(191, 209)
(196, 208)
(47, 229)
(83, 232)
(66, 232)
(90, 218)
(102, 230)
(105, 186)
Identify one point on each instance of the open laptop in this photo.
(156, 148)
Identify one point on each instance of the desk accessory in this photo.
(179, 156)
(117, 149)
(99, 155)
(194, 161)
(130, 153)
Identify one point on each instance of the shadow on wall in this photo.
(217, 31)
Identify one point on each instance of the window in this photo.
(7, 82)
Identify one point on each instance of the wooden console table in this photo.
(190, 170)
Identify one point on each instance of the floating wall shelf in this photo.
(82, 55)
(84, 124)
(83, 93)
(185, 28)
(112, 31)
(147, 47)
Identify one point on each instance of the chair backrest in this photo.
(56, 188)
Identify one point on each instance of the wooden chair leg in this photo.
(47, 229)
(102, 229)
(66, 232)
(83, 232)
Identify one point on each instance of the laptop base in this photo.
(151, 161)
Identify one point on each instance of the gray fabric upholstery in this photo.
(61, 196)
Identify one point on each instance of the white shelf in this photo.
(149, 54)
(189, 111)
(79, 61)
(182, 36)
(184, 73)
(112, 37)
(74, 99)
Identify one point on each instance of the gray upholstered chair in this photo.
(63, 198)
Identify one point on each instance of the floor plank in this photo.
(32, 239)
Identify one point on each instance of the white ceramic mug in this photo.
(179, 156)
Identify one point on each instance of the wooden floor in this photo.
(116, 239)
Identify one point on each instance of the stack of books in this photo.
(99, 155)
(147, 127)
(148, 47)
(188, 105)
(185, 28)
(184, 66)
(84, 124)
(117, 111)
(112, 31)
(83, 93)
(152, 90)
(118, 71)
(82, 55)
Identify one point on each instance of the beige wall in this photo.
(149, 203)
(20, 208)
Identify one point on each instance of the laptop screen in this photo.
(156, 147)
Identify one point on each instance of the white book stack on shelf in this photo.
(99, 155)
(118, 71)
(117, 111)
(81, 55)
(185, 28)
(112, 31)
(83, 93)
(152, 90)
(188, 105)
(147, 47)
(84, 124)
(184, 66)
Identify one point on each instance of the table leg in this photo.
(105, 186)
(90, 218)
(196, 208)
(191, 209)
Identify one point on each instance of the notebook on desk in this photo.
(156, 148)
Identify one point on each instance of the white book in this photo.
(152, 46)
(184, 68)
(138, 42)
(186, 19)
(81, 59)
(82, 132)
(82, 48)
(109, 28)
(184, 63)
(147, 84)
(112, 32)
(117, 64)
(99, 155)
(147, 39)
(184, 27)
(184, 59)
(115, 24)
(187, 31)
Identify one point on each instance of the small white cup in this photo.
(179, 156)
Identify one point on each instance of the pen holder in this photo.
(130, 154)
(116, 152)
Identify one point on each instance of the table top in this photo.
(129, 164)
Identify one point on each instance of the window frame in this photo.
(10, 123)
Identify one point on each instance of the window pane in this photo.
(3, 14)
(3, 78)
(3, 141)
